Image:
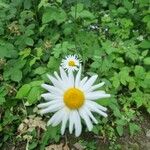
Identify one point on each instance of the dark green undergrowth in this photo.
(111, 37)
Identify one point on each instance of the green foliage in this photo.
(111, 38)
(52, 133)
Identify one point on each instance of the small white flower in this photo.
(71, 62)
(72, 99)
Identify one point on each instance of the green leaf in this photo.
(40, 70)
(16, 75)
(29, 41)
(139, 72)
(133, 128)
(145, 44)
(32, 145)
(2, 100)
(36, 83)
(115, 81)
(23, 91)
(39, 52)
(122, 10)
(127, 4)
(50, 134)
(147, 61)
(53, 63)
(120, 130)
(7, 50)
(33, 61)
(25, 53)
(8, 118)
(34, 95)
(53, 13)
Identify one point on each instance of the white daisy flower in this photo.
(72, 99)
(71, 62)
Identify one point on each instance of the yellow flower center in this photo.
(74, 98)
(71, 63)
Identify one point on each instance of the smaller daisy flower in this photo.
(71, 62)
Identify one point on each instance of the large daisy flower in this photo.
(71, 62)
(72, 99)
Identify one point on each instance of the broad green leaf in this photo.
(29, 41)
(23, 91)
(53, 13)
(120, 130)
(145, 44)
(33, 61)
(40, 70)
(7, 50)
(16, 75)
(147, 61)
(26, 52)
(34, 95)
(127, 4)
(36, 83)
(139, 72)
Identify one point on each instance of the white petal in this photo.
(78, 76)
(96, 95)
(64, 122)
(101, 112)
(55, 82)
(90, 82)
(56, 118)
(43, 105)
(63, 74)
(94, 108)
(74, 120)
(83, 81)
(94, 87)
(52, 89)
(71, 121)
(52, 108)
(77, 122)
(71, 78)
(86, 118)
(94, 105)
(64, 78)
(50, 96)
(90, 115)
(57, 76)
